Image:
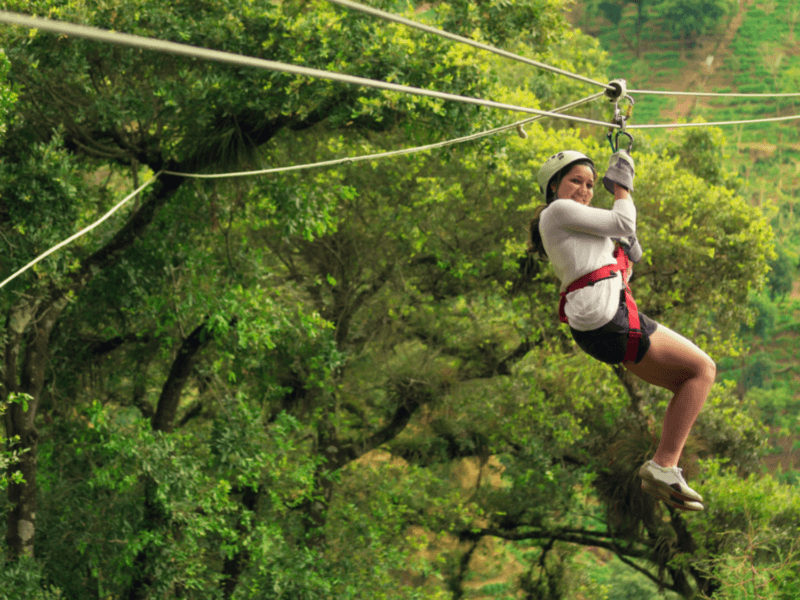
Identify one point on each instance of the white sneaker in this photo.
(670, 500)
(670, 480)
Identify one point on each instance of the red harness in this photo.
(622, 264)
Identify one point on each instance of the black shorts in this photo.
(610, 342)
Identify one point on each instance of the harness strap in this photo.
(606, 272)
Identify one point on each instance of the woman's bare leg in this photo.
(675, 363)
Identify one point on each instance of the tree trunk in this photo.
(28, 328)
(236, 564)
(156, 516)
(155, 519)
(21, 434)
(167, 408)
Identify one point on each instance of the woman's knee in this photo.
(707, 368)
(700, 365)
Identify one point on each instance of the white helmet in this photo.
(557, 162)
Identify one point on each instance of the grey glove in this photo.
(631, 247)
(620, 170)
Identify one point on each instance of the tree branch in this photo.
(167, 407)
(411, 395)
(571, 536)
(95, 347)
(657, 580)
(164, 189)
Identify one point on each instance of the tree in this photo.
(263, 388)
(7, 100)
(431, 313)
(182, 115)
(689, 20)
(614, 10)
(683, 19)
(134, 293)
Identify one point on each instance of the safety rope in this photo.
(474, 136)
(135, 41)
(452, 36)
(81, 232)
(340, 161)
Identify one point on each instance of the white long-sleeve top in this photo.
(578, 240)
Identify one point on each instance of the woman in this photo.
(591, 250)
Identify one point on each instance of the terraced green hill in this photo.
(756, 49)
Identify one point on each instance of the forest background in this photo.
(351, 382)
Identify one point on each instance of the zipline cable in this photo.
(452, 36)
(339, 161)
(712, 94)
(135, 41)
(713, 124)
(81, 232)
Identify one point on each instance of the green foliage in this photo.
(25, 580)
(688, 20)
(758, 516)
(683, 19)
(8, 94)
(702, 152)
(199, 476)
(783, 269)
(362, 372)
(40, 187)
(765, 315)
(608, 579)
(9, 455)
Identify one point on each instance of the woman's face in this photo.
(577, 185)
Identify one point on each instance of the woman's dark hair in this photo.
(535, 245)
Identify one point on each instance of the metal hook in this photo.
(621, 120)
(614, 140)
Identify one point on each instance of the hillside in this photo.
(754, 50)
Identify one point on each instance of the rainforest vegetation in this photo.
(351, 382)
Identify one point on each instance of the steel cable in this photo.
(712, 124)
(452, 36)
(712, 94)
(135, 41)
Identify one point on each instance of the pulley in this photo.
(617, 88)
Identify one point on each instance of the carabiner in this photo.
(621, 120)
(614, 140)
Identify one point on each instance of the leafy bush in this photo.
(24, 580)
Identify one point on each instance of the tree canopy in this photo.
(346, 382)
